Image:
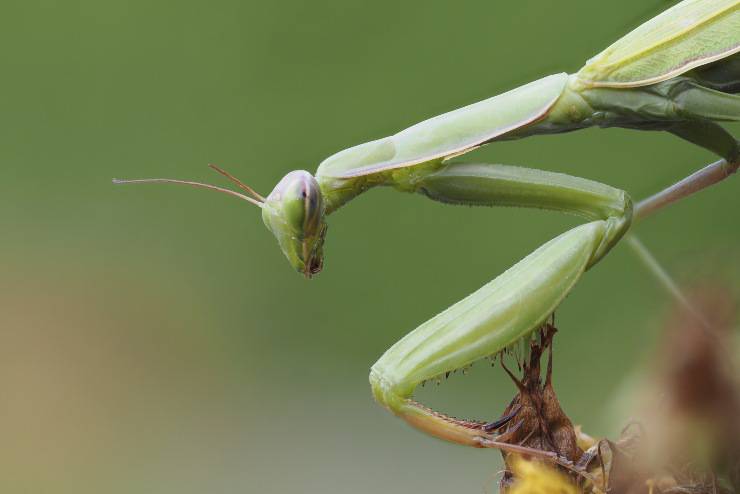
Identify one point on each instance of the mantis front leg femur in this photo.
(679, 72)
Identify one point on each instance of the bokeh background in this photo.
(153, 338)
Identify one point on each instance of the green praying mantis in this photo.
(679, 72)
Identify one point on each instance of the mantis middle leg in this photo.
(700, 104)
(710, 136)
(682, 106)
(514, 304)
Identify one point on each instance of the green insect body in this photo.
(679, 72)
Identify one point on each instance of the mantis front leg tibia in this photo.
(514, 304)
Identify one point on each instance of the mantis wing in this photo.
(450, 134)
(690, 34)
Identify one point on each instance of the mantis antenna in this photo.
(238, 182)
(118, 181)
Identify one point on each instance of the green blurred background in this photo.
(153, 339)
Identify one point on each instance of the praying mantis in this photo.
(679, 72)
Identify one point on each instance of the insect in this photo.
(679, 72)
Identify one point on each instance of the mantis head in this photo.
(294, 212)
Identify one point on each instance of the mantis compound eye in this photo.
(294, 212)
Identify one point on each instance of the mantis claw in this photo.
(497, 424)
(507, 436)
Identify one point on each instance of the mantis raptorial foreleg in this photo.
(511, 306)
(482, 324)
